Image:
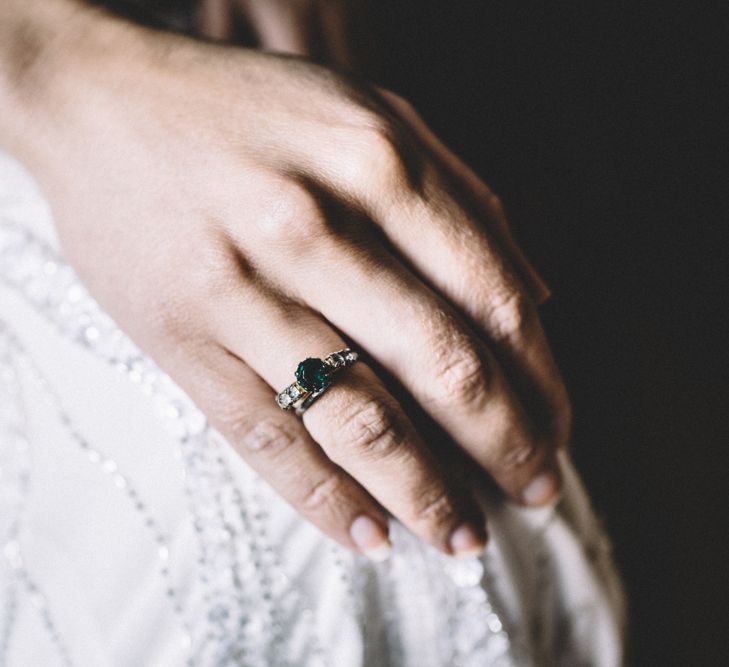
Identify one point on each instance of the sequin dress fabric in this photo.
(132, 534)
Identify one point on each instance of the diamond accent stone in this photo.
(294, 392)
(284, 400)
(335, 360)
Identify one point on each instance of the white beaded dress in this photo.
(132, 534)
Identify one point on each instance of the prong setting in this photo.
(313, 378)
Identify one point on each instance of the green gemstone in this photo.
(313, 374)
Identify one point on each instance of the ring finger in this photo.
(358, 424)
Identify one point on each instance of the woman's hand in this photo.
(236, 212)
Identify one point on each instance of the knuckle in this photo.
(462, 376)
(309, 226)
(510, 317)
(377, 156)
(507, 450)
(296, 215)
(436, 510)
(510, 458)
(372, 427)
(260, 436)
(323, 494)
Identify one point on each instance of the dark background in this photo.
(599, 125)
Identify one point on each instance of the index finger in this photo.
(447, 246)
(489, 206)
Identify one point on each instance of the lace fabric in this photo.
(134, 534)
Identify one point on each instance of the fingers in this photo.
(418, 337)
(420, 207)
(357, 423)
(363, 429)
(462, 263)
(526, 351)
(277, 446)
(490, 210)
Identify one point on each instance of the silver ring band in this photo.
(313, 377)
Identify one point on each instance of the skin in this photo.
(237, 211)
(300, 27)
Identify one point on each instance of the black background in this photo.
(600, 127)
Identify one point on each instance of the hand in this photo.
(236, 212)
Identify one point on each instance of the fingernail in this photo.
(466, 541)
(541, 489)
(371, 538)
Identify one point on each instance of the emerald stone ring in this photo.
(313, 377)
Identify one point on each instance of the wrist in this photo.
(47, 49)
